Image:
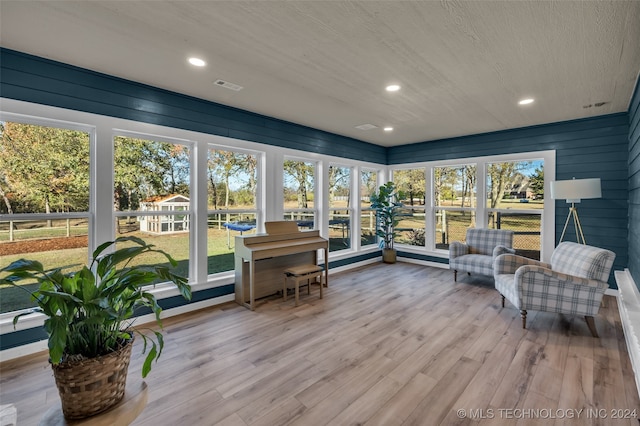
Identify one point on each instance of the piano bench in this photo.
(301, 273)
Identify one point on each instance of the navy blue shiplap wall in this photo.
(587, 148)
(634, 185)
(42, 81)
(33, 79)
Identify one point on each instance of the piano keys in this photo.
(260, 259)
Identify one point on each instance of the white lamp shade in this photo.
(576, 189)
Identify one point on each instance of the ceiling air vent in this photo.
(366, 127)
(227, 85)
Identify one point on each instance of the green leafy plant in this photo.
(386, 203)
(89, 311)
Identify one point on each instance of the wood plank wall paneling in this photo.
(595, 147)
(634, 186)
(553, 136)
(39, 80)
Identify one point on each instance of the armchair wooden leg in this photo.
(523, 314)
(591, 323)
(502, 300)
(455, 275)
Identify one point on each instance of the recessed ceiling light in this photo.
(393, 88)
(388, 129)
(197, 62)
(526, 101)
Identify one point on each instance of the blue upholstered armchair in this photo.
(573, 283)
(476, 254)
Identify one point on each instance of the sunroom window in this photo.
(299, 193)
(152, 195)
(368, 185)
(515, 201)
(44, 200)
(340, 208)
(455, 202)
(411, 227)
(232, 181)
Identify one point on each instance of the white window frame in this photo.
(318, 218)
(432, 244)
(547, 241)
(193, 227)
(357, 230)
(351, 209)
(425, 222)
(67, 125)
(257, 210)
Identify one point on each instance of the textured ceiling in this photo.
(462, 65)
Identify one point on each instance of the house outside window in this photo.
(501, 191)
(515, 201)
(148, 174)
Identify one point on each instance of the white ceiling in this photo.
(462, 65)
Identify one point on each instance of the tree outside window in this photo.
(299, 192)
(152, 195)
(368, 185)
(340, 210)
(515, 200)
(411, 228)
(44, 178)
(232, 180)
(455, 202)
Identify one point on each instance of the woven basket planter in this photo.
(93, 385)
(389, 255)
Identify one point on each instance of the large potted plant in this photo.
(387, 203)
(89, 314)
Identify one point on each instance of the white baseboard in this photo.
(423, 262)
(377, 259)
(23, 350)
(629, 307)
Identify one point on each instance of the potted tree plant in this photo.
(89, 314)
(386, 203)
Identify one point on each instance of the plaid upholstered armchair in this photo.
(573, 283)
(476, 254)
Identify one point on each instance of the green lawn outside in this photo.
(220, 259)
(526, 227)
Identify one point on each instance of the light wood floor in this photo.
(388, 345)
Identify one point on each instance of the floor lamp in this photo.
(573, 191)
